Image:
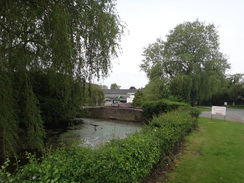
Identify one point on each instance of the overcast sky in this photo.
(148, 20)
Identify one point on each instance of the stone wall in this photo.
(117, 113)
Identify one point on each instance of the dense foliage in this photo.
(138, 99)
(93, 95)
(55, 108)
(155, 108)
(236, 89)
(233, 93)
(188, 65)
(126, 160)
(157, 89)
(56, 42)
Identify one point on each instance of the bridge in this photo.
(116, 113)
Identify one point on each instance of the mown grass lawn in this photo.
(214, 153)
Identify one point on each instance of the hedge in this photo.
(118, 161)
(155, 108)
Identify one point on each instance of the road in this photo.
(231, 115)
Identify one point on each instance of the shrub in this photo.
(195, 112)
(155, 108)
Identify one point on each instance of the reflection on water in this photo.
(94, 132)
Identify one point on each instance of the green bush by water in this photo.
(127, 160)
(155, 108)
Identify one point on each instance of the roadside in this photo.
(236, 115)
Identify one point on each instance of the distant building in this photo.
(125, 93)
(130, 98)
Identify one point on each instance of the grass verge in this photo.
(202, 108)
(214, 153)
(236, 106)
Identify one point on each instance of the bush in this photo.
(122, 161)
(195, 112)
(155, 108)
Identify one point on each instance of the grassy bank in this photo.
(213, 154)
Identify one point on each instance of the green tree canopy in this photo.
(181, 87)
(236, 93)
(236, 88)
(156, 89)
(191, 49)
(72, 38)
(138, 99)
(114, 86)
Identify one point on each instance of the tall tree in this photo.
(191, 49)
(72, 38)
(236, 88)
(232, 93)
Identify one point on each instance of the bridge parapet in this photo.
(117, 113)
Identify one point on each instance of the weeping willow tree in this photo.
(67, 41)
(191, 58)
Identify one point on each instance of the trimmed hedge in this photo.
(155, 108)
(118, 161)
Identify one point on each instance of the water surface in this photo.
(94, 132)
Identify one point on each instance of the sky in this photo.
(148, 20)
